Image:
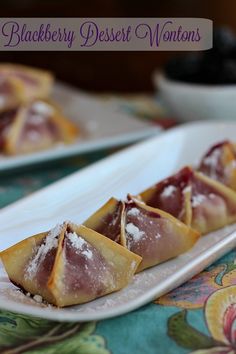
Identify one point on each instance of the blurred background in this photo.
(110, 71)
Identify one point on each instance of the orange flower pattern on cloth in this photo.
(220, 320)
(220, 314)
(194, 293)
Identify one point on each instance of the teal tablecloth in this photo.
(198, 317)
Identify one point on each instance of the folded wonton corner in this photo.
(219, 163)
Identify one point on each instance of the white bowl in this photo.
(189, 102)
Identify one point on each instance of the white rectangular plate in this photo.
(102, 125)
(77, 196)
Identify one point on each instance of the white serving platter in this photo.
(102, 125)
(77, 196)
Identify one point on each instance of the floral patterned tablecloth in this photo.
(198, 317)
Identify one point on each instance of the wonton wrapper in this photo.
(38, 125)
(174, 237)
(106, 220)
(219, 163)
(154, 234)
(197, 200)
(69, 265)
(6, 120)
(35, 83)
(10, 94)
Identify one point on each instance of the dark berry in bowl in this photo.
(216, 66)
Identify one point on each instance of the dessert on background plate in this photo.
(11, 94)
(37, 125)
(28, 120)
(33, 83)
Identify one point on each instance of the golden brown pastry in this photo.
(38, 125)
(6, 120)
(219, 163)
(10, 94)
(69, 265)
(197, 200)
(107, 219)
(34, 83)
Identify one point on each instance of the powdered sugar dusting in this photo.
(37, 119)
(51, 242)
(133, 212)
(33, 135)
(168, 191)
(157, 235)
(212, 160)
(187, 189)
(133, 265)
(38, 298)
(197, 200)
(231, 167)
(43, 108)
(233, 164)
(79, 244)
(115, 218)
(88, 253)
(76, 241)
(134, 232)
